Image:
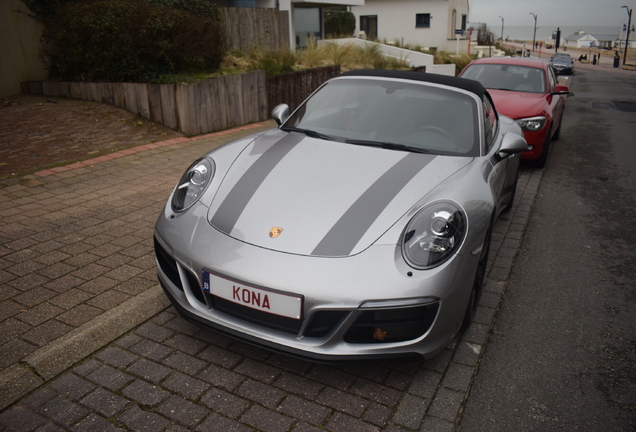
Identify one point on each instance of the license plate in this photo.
(274, 302)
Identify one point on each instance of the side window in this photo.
(490, 123)
(551, 77)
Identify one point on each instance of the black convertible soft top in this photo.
(462, 83)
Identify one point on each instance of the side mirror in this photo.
(513, 143)
(280, 113)
(560, 90)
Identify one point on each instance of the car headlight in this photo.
(192, 184)
(433, 235)
(532, 124)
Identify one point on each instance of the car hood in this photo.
(518, 105)
(301, 195)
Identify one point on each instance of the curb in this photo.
(59, 355)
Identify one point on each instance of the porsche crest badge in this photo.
(275, 232)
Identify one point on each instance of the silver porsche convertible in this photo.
(359, 228)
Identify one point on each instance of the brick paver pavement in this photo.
(37, 131)
(76, 247)
(79, 243)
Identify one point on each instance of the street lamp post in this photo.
(502, 22)
(534, 36)
(629, 24)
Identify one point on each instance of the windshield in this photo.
(507, 77)
(562, 57)
(392, 114)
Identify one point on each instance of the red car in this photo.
(525, 90)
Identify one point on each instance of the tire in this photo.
(478, 283)
(557, 134)
(543, 157)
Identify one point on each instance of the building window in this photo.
(369, 25)
(464, 22)
(307, 24)
(423, 20)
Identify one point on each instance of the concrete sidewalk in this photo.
(88, 341)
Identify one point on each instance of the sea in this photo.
(524, 33)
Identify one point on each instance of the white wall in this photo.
(412, 58)
(396, 21)
(584, 42)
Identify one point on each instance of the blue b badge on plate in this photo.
(206, 281)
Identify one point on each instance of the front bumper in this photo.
(346, 301)
(536, 140)
(563, 70)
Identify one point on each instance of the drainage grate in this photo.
(625, 106)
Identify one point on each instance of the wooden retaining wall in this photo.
(198, 108)
(249, 27)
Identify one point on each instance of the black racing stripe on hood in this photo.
(232, 207)
(354, 223)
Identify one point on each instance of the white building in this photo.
(305, 16)
(581, 39)
(428, 23)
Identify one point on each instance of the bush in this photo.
(272, 62)
(45, 9)
(339, 23)
(460, 61)
(311, 56)
(204, 8)
(336, 53)
(129, 40)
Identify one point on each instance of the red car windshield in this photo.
(507, 77)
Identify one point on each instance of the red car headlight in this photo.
(532, 124)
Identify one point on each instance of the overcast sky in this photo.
(552, 12)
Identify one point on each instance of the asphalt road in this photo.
(562, 353)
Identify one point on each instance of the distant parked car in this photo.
(360, 227)
(562, 64)
(525, 90)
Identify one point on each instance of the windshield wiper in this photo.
(308, 132)
(387, 145)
